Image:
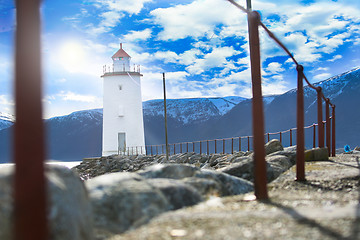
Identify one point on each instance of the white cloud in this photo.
(167, 56)
(322, 76)
(70, 96)
(137, 35)
(216, 58)
(4, 100)
(113, 12)
(310, 30)
(129, 6)
(7, 104)
(152, 84)
(196, 19)
(322, 69)
(336, 57)
(274, 68)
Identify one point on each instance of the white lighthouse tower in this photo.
(123, 127)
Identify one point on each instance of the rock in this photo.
(70, 215)
(206, 187)
(122, 201)
(290, 149)
(176, 192)
(273, 146)
(230, 185)
(317, 154)
(279, 160)
(277, 165)
(224, 184)
(243, 169)
(240, 159)
(214, 159)
(6, 203)
(289, 154)
(173, 171)
(357, 148)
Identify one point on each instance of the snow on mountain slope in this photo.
(225, 104)
(6, 120)
(334, 86)
(191, 109)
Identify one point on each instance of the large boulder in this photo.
(230, 185)
(69, 214)
(273, 146)
(176, 192)
(122, 201)
(173, 171)
(317, 154)
(205, 187)
(289, 154)
(275, 165)
(243, 169)
(205, 181)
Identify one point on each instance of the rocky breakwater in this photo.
(127, 191)
(119, 193)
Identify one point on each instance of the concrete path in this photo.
(326, 206)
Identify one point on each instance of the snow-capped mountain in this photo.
(6, 120)
(79, 135)
(280, 114)
(191, 109)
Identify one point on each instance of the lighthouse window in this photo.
(120, 87)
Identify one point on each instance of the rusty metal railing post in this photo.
(290, 137)
(314, 135)
(260, 178)
(280, 137)
(320, 117)
(333, 132)
(239, 144)
(215, 146)
(327, 114)
(248, 142)
(223, 146)
(300, 142)
(232, 145)
(29, 145)
(193, 146)
(200, 148)
(207, 147)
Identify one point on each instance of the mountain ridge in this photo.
(79, 134)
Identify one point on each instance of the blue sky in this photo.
(200, 44)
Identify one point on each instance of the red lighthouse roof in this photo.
(120, 53)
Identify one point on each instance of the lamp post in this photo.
(248, 5)
(165, 115)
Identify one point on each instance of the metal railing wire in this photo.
(300, 174)
(254, 22)
(215, 146)
(33, 204)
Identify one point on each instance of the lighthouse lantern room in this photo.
(123, 128)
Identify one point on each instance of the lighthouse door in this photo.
(121, 143)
